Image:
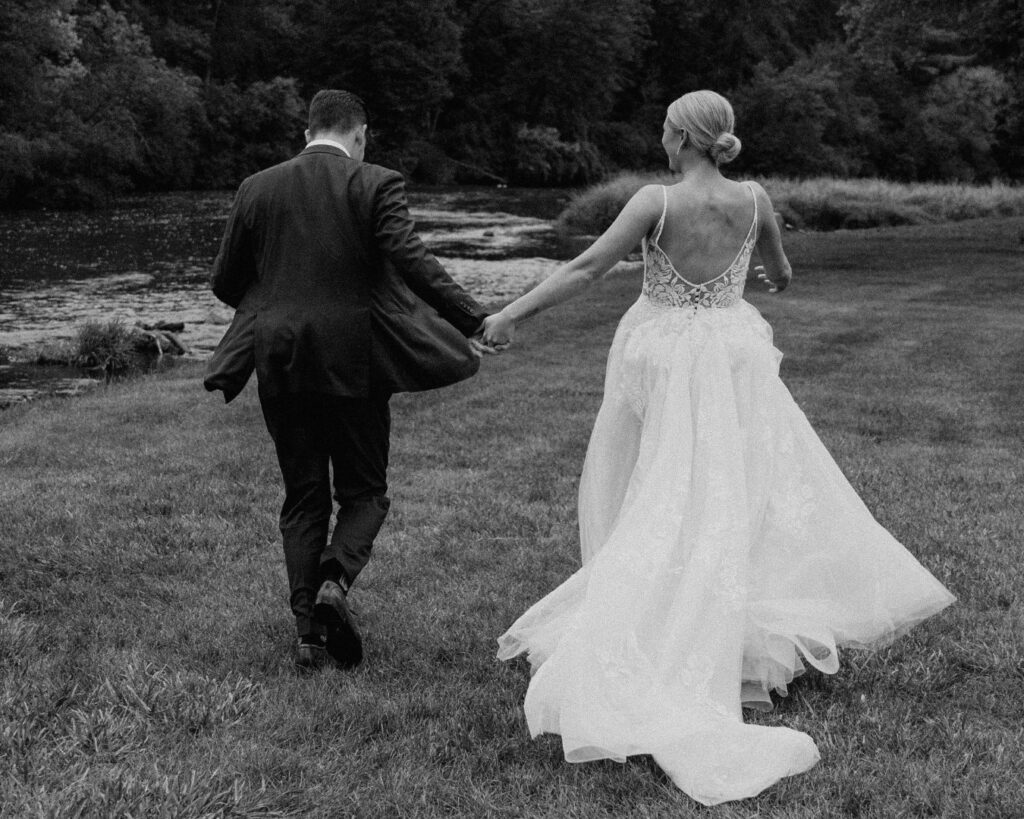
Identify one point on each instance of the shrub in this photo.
(430, 164)
(106, 344)
(594, 209)
(542, 158)
(825, 203)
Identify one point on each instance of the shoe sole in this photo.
(343, 641)
(312, 663)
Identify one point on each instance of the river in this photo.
(147, 259)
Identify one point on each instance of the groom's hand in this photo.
(483, 345)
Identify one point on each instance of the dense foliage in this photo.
(104, 96)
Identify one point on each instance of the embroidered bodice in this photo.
(664, 286)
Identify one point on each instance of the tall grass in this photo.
(109, 345)
(825, 203)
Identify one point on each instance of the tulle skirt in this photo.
(723, 551)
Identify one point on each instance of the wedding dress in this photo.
(722, 550)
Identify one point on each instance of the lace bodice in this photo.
(664, 286)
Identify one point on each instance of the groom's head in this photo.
(338, 115)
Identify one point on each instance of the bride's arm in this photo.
(634, 221)
(777, 272)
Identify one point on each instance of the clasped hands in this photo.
(495, 334)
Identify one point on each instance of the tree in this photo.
(96, 112)
(923, 37)
(960, 117)
(573, 59)
(1001, 45)
(136, 115)
(247, 129)
(806, 119)
(399, 55)
(542, 76)
(37, 47)
(707, 44)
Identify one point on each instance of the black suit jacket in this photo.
(334, 288)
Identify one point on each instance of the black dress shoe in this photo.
(343, 641)
(311, 655)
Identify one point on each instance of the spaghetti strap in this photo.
(664, 210)
(753, 225)
(652, 248)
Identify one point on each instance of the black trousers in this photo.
(315, 435)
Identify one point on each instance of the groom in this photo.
(339, 305)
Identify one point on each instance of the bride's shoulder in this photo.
(648, 199)
(764, 202)
(650, 193)
(758, 189)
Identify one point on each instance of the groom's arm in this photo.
(397, 239)
(234, 269)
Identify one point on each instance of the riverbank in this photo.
(145, 637)
(146, 261)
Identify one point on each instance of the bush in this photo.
(106, 344)
(825, 203)
(429, 164)
(628, 146)
(542, 158)
(594, 209)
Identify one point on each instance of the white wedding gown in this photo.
(722, 549)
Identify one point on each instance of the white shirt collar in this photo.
(330, 142)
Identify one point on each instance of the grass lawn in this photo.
(145, 640)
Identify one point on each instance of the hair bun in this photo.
(725, 149)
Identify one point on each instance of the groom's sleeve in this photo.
(234, 269)
(397, 239)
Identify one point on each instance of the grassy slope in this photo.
(145, 638)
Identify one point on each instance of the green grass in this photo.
(821, 204)
(145, 638)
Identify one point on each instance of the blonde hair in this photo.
(708, 118)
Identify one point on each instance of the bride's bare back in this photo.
(705, 228)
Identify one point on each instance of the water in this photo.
(147, 260)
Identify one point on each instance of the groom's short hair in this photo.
(334, 110)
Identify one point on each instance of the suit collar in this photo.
(325, 149)
(332, 143)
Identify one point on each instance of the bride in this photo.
(723, 550)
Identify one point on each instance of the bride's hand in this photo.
(498, 330)
(774, 285)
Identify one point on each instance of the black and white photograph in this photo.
(511, 408)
